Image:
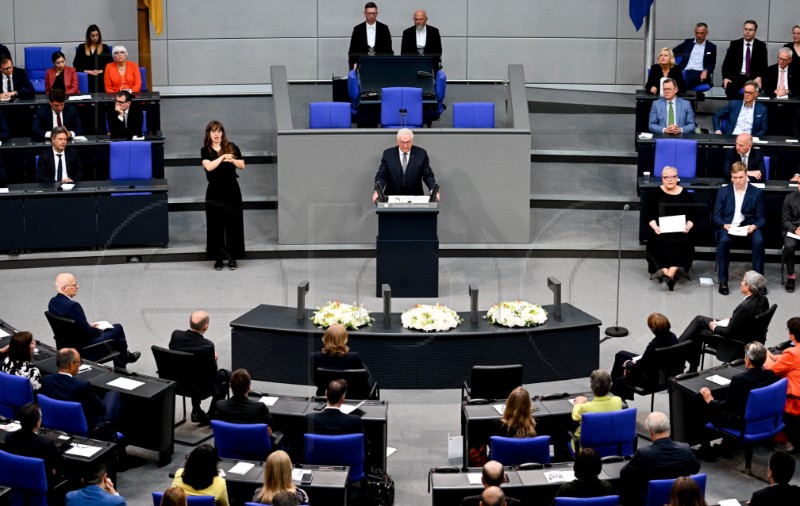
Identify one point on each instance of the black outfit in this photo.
(664, 459)
(243, 410)
(739, 391)
(790, 218)
(4, 132)
(795, 56)
(22, 85)
(673, 249)
(780, 493)
(3, 177)
(741, 327)
(46, 167)
(331, 421)
(732, 65)
(594, 487)
(350, 361)
(782, 117)
(433, 44)
(755, 161)
(224, 211)
(475, 500)
(43, 121)
(643, 371)
(29, 444)
(769, 82)
(655, 75)
(358, 42)
(213, 382)
(119, 129)
(394, 182)
(4, 50)
(95, 61)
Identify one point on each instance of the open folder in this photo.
(672, 224)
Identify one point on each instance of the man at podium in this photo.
(403, 168)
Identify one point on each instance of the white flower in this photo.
(428, 318)
(351, 316)
(518, 313)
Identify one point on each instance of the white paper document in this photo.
(67, 186)
(719, 380)
(269, 400)
(499, 408)
(672, 224)
(559, 476)
(80, 97)
(793, 235)
(759, 185)
(349, 408)
(738, 231)
(390, 451)
(241, 468)
(125, 383)
(84, 368)
(723, 323)
(83, 450)
(3, 333)
(79, 138)
(455, 447)
(474, 478)
(103, 325)
(11, 427)
(729, 502)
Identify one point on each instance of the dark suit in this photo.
(731, 113)
(390, 173)
(4, 132)
(358, 41)
(22, 85)
(64, 387)
(331, 421)
(433, 44)
(350, 361)
(243, 410)
(46, 166)
(782, 116)
(63, 306)
(43, 121)
(655, 75)
(780, 493)
(3, 177)
(739, 391)
(790, 219)
(741, 326)
(203, 350)
(644, 370)
(755, 161)
(475, 500)
(29, 444)
(753, 211)
(117, 128)
(664, 459)
(732, 65)
(684, 50)
(769, 83)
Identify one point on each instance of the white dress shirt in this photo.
(738, 199)
(696, 57)
(64, 173)
(371, 29)
(422, 36)
(744, 123)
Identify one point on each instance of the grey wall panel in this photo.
(543, 18)
(338, 17)
(591, 61)
(676, 19)
(159, 63)
(196, 19)
(332, 57)
(7, 27)
(117, 20)
(725, 21)
(783, 14)
(630, 62)
(625, 29)
(239, 61)
(454, 57)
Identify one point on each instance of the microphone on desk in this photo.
(616, 330)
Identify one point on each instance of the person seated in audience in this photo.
(214, 381)
(665, 68)
(787, 365)
(781, 80)
(98, 489)
(752, 159)
(587, 482)
(28, 443)
(628, 372)
(600, 383)
(239, 408)
(91, 57)
(122, 74)
(746, 115)
(790, 219)
(285, 498)
(336, 354)
(681, 117)
(59, 163)
(698, 57)
(669, 251)
(517, 419)
(200, 476)
(686, 492)
(277, 479)
(779, 473)
(739, 208)
(60, 76)
(492, 475)
(745, 59)
(15, 82)
(56, 114)
(493, 496)
(174, 496)
(331, 420)
(5, 133)
(125, 119)
(19, 357)
(664, 459)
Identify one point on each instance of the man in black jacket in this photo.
(28, 443)
(369, 37)
(15, 83)
(746, 59)
(780, 472)
(422, 39)
(56, 114)
(239, 408)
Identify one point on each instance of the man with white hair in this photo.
(422, 39)
(404, 168)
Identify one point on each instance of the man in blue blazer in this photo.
(682, 110)
(727, 215)
(98, 490)
(698, 57)
(394, 178)
(743, 115)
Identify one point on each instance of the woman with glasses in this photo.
(122, 74)
(91, 57)
(669, 250)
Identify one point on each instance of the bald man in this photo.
(753, 159)
(492, 477)
(422, 39)
(213, 382)
(493, 496)
(64, 305)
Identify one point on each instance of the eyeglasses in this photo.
(120, 52)
(669, 177)
(7, 68)
(121, 102)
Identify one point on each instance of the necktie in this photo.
(405, 162)
(9, 84)
(125, 119)
(58, 120)
(60, 169)
(670, 115)
(747, 61)
(744, 160)
(781, 81)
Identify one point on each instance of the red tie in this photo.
(58, 119)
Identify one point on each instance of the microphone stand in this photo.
(616, 330)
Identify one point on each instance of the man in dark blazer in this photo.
(743, 115)
(64, 305)
(15, 82)
(790, 219)
(754, 376)
(28, 443)
(47, 168)
(48, 116)
(331, 420)
(781, 81)
(741, 324)
(125, 119)
(240, 408)
(394, 178)
(492, 475)
(752, 159)
(664, 459)
(735, 71)
(780, 472)
(370, 30)
(214, 382)
(422, 39)
(702, 54)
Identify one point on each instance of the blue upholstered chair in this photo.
(610, 433)
(393, 100)
(329, 115)
(37, 60)
(515, 451)
(191, 500)
(766, 166)
(473, 115)
(245, 441)
(15, 392)
(606, 500)
(431, 113)
(65, 416)
(763, 418)
(344, 450)
(658, 490)
(678, 153)
(83, 82)
(353, 91)
(26, 477)
(130, 160)
(143, 73)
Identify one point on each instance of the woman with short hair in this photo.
(122, 74)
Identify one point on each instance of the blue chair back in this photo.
(440, 86)
(143, 73)
(83, 82)
(354, 91)
(514, 451)
(130, 160)
(610, 433)
(394, 99)
(65, 416)
(39, 57)
(678, 153)
(191, 500)
(343, 450)
(15, 392)
(473, 115)
(766, 166)
(606, 500)
(764, 412)
(144, 122)
(26, 477)
(658, 490)
(244, 441)
(329, 115)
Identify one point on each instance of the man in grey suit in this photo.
(682, 118)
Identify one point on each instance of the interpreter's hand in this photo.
(706, 393)
(581, 399)
(374, 197)
(712, 325)
(754, 173)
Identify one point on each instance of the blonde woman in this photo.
(517, 420)
(278, 478)
(664, 68)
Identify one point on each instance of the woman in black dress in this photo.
(668, 251)
(224, 216)
(664, 68)
(336, 354)
(91, 57)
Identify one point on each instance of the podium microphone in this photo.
(616, 330)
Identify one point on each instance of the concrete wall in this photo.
(235, 41)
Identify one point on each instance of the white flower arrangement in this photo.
(351, 316)
(518, 313)
(428, 318)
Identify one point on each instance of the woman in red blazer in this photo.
(122, 74)
(59, 76)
